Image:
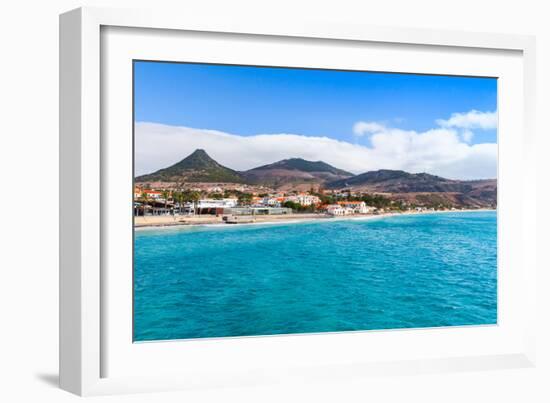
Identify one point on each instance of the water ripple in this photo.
(398, 272)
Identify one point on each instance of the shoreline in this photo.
(171, 222)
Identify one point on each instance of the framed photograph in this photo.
(249, 202)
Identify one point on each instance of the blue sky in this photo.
(253, 100)
(245, 117)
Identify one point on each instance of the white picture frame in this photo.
(94, 355)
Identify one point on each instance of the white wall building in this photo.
(217, 203)
(151, 194)
(349, 208)
(336, 210)
(358, 207)
(271, 202)
(304, 199)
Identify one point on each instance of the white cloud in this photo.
(439, 151)
(470, 120)
(467, 135)
(361, 128)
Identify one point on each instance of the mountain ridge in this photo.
(398, 181)
(295, 171)
(301, 174)
(303, 165)
(422, 186)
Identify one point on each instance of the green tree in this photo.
(216, 196)
(165, 195)
(145, 201)
(194, 197)
(245, 198)
(292, 205)
(176, 199)
(228, 193)
(377, 201)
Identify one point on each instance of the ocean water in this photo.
(329, 276)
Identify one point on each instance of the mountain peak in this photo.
(200, 152)
(196, 167)
(197, 159)
(300, 164)
(294, 172)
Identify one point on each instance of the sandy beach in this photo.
(163, 221)
(169, 221)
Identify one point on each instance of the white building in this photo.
(217, 203)
(336, 210)
(151, 194)
(303, 199)
(358, 207)
(270, 201)
(208, 206)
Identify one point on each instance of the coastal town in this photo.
(233, 205)
(271, 201)
(199, 190)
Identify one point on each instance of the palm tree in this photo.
(145, 199)
(165, 195)
(181, 200)
(176, 199)
(195, 197)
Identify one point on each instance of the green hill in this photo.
(299, 164)
(295, 171)
(197, 167)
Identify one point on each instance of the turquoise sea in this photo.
(326, 276)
